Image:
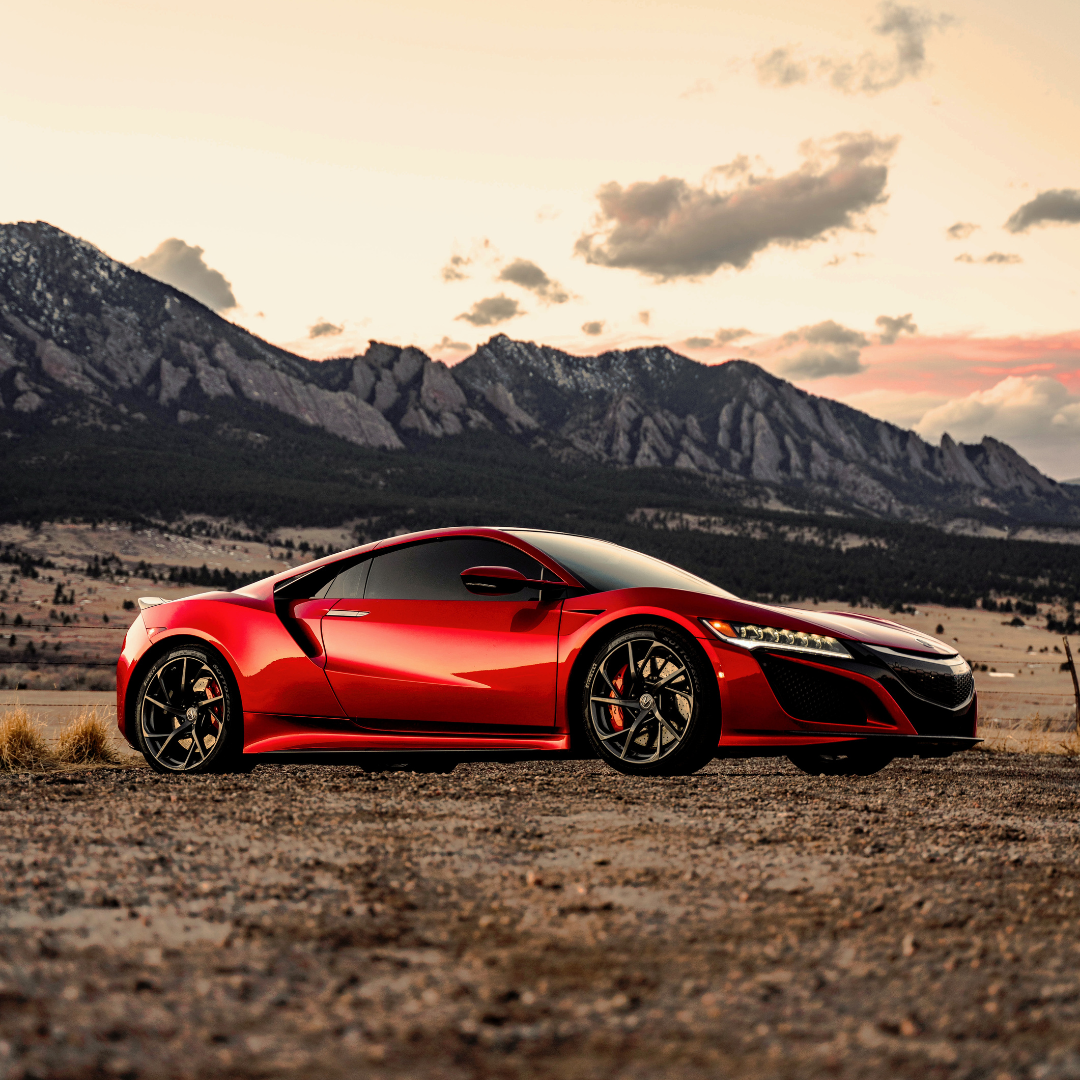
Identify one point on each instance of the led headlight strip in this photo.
(751, 636)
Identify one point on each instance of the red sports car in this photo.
(457, 643)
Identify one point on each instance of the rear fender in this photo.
(272, 672)
(137, 672)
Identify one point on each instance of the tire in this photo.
(190, 689)
(648, 707)
(841, 760)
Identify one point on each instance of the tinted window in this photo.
(432, 570)
(349, 584)
(603, 566)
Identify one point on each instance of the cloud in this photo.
(828, 348)
(781, 68)
(737, 167)
(1032, 410)
(908, 29)
(454, 346)
(818, 362)
(831, 349)
(1036, 414)
(324, 329)
(670, 229)
(828, 332)
(593, 328)
(892, 328)
(182, 266)
(721, 337)
(995, 257)
(454, 268)
(491, 311)
(529, 276)
(905, 408)
(698, 88)
(644, 317)
(905, 27)
(961, 230)
(1061, 206)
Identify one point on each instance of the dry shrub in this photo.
(86, 741)
(1031, 736)
(22, 742)
(1070, 745)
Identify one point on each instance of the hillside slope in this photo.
(97, 358)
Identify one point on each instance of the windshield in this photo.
(603, 566)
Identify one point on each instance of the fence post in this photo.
(1076, 682)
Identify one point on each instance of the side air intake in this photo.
(816, 696)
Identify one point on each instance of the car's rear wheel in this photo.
(188, 713)
(841, 759)
(647, 708)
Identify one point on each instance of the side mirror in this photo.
(493, 580)
(502, 581)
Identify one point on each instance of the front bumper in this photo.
(868, 689)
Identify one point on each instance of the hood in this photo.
(873, 631)
(839, 624)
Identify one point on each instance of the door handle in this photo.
(346, 614)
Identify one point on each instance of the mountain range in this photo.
(90, 345)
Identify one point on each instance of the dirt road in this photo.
(543, 920)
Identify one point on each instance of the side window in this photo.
(349, 584)
(432, 570)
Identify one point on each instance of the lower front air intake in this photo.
(816, 696)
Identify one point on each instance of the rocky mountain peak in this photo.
(87, 340)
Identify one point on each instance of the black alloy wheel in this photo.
(647, 706)
(841, 759)
(188, 714)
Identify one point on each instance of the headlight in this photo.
(750, 636)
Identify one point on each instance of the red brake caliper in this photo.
(615, 711)
(213, 691)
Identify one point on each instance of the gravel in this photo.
(543, 919)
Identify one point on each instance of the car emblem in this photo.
(192, 714)
(646, 701)
(923, 641)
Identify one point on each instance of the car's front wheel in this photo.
(841, 759)
(647, 706)
(188, 713)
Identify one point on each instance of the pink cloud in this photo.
(953, 365)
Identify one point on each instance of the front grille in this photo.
(813, 695)
(942, 685)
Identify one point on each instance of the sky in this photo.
(877, 201)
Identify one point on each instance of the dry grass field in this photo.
(75, 642)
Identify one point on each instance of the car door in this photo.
(421, 652)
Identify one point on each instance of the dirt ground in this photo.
(543, 919)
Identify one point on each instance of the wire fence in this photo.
(57, 704)
(30, 656)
